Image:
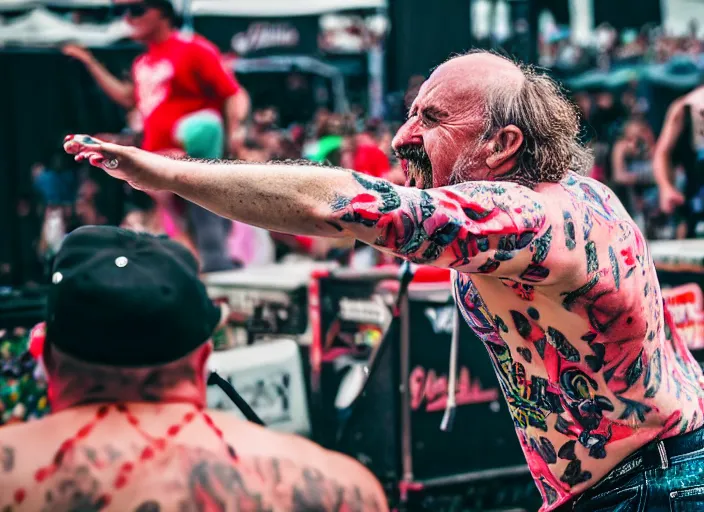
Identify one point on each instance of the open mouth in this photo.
(416, 166)
(414, 176)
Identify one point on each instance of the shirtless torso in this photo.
(151, 458)
(578, 342)
(695, 101)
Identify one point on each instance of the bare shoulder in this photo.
(301, 461)
(292, 447)
(592, 197)
(268, 471)
(19, 432)
(581, 213)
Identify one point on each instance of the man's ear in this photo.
(505, 146)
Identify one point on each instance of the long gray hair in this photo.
(550, 124)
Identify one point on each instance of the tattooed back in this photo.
(148, 458)
(578, 338)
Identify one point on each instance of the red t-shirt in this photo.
(180, 76)
(371, 160)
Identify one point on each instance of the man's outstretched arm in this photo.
(498, 228)
(474, 227)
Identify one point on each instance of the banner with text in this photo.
(686, 305)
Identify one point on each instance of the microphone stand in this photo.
(405, 276)
(215, 379)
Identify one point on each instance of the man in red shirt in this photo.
(368, 158)
(181, 89)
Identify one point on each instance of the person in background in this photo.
(368, 158)
(363, 153)
(264, 119)
(682, 140)
(327, 148)
(129, 428)
(606, 116)
(156, 213)
(23, 393)
(181, 89)
(632, 173)
(55, 188)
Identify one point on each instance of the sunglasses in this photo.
(133, 10)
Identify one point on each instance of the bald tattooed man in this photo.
(550, 272)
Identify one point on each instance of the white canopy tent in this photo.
(18, 5)
(278, 7)
(216, 7)
(40, 26)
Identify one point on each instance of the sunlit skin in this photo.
(140, 440)
(555, 278)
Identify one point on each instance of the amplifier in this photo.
(680, 268)
(394, 424)
(269, 377)
(483, 437)
(266, 300)
(349, 313)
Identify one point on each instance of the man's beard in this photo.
(418, 168)
(465, 168)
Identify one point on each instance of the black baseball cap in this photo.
(129, 299)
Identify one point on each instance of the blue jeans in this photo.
(664, 476)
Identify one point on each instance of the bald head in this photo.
(465, 80)
(481, 70)
(481, 116)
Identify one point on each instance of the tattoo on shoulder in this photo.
(451, 225)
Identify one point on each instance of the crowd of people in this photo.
(621, 124)
(73, 195)
(624, 86)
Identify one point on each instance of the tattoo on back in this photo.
(197, 479)
(583, 364)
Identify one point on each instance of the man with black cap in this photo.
(127, 340)
(181, 89)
